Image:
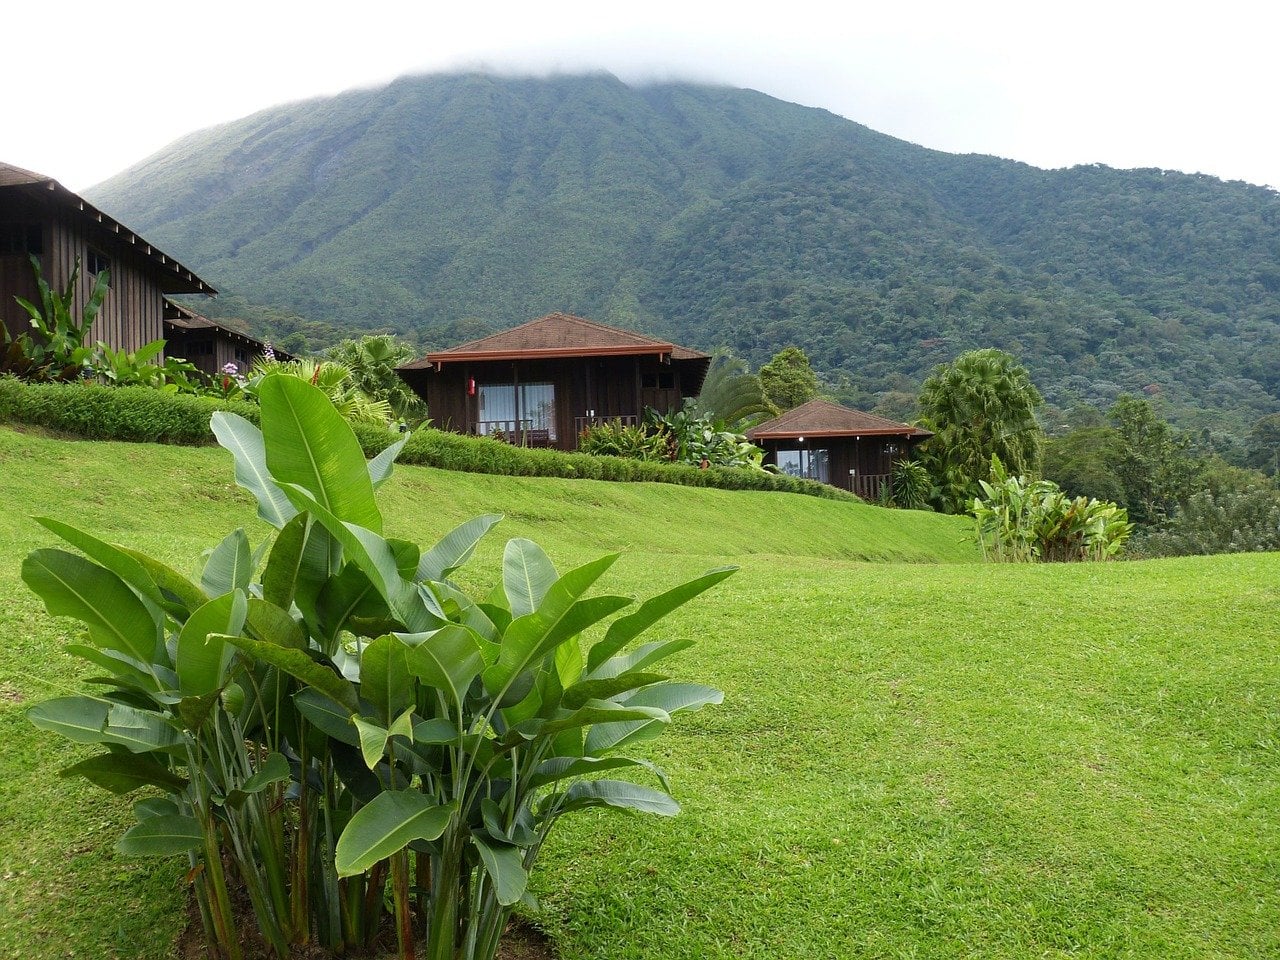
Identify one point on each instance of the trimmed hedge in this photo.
(141, 414)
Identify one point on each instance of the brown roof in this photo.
(822, 418)
(177, 278)
(176, 315)
(556, 335)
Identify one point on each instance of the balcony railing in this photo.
(582, 423)
(521, 433)
(869, 485)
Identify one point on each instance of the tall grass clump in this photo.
(327, 727)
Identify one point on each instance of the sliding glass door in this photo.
(813, 464)
(510, 409)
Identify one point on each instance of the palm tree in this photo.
(981, 405)
(731, 394)
(372, 362)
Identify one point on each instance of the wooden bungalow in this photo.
(40, 216)
(846, 448)
(210, 345)
(544, 382)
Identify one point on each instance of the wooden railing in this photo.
(869, 485)
(518, 432)
(582, 423)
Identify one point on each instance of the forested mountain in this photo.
(438, 207)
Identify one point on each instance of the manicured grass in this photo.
(913, 760)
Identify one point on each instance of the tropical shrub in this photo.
(1020, 521)
(909, 485)
(613, 438)
(120, 368)
(57, 351)
(332, 378)
(332, 723)
(703, 442)
(731, 394)
(371, 362)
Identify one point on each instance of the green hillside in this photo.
(444, 206)
(927, 760)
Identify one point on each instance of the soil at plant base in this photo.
(521, 941)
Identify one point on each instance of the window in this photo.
(506, 408)
(21, 239)
(95, 262)
(813, 464)
(661, 380)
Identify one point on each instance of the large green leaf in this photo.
(387, 825)
(229, 567)
(566, 768)
(592, 712)
(244, 441)
(311, 445)
(80, 719)
(455, 548)
(527, 575)
(268, 622)
(385, 680)
(621, 795)
(124, 669)
(202, 656)
(140, 731)
(505, 866)
(643, 656)
(447, 659)
(578, 694)
(298, 664)
(125, 772)
(625, 629)
(670, 697)
(284, 563)
(108, 555)
(328, 716)
(171, 583)
(380, 466)
(72, 586)
(164, 836)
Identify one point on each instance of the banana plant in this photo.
(58, 350)
(335, 720)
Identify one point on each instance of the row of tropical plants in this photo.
(682, 436)
(327, 727)
(1021, 521)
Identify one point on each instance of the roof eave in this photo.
(545, 353)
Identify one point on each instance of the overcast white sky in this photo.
(94, 87)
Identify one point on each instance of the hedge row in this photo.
(141, 414)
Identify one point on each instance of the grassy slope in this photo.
(933, 761)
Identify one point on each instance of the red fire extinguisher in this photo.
(471, 386)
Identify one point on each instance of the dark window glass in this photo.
(813, 464)
(21, 238)
(96, 261)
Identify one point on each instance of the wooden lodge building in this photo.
(828, 442)
(544, 382)
(40, 217)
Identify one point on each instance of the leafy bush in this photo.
(910, 485)
(57, 351)
(701, 441)
(1228, 522)
(349, 727)
(331, 377)
(612, 438)
(120, 368)
(1020, 521)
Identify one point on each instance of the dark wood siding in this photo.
(599, 387)
(870, 456)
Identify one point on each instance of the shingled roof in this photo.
(822, 418)
(181, 318)
(175, 278)
(556, 335)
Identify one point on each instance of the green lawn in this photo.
(913, 759)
